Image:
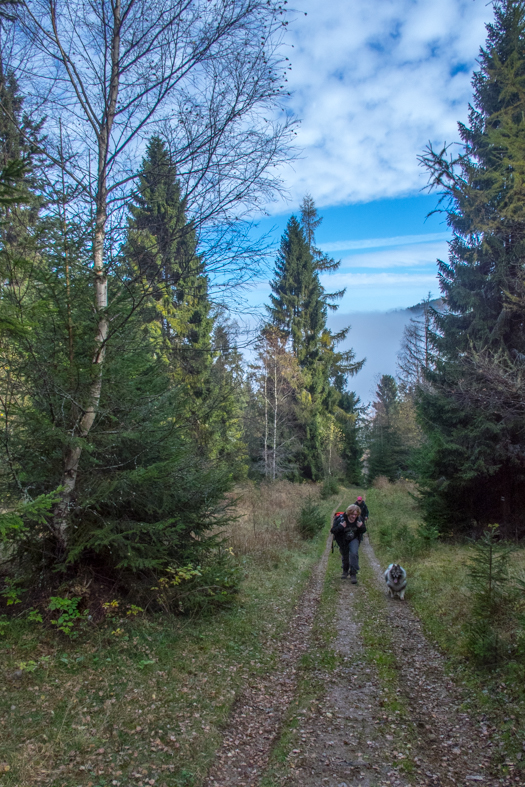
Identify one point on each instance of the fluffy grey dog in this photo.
(396, 580)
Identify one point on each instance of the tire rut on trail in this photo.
(258, 712)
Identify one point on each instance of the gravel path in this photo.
(348, 737)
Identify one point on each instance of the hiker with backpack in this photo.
(348, 529)
(364, 508)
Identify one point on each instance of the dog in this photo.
(396, 580)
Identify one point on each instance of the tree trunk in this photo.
(266, 469)
(274, 464)
(92, 399)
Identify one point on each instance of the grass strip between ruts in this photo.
(369, 605)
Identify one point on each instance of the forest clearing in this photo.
(303, 681)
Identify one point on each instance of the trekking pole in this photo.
(332, 545)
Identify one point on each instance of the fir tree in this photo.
(473, 464)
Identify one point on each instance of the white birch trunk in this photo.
(266, 469)
(274, 462)
(92, 398)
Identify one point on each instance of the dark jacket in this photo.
(364, 509)
(343, 535)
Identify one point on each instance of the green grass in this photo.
(140, 700)
(438, 591)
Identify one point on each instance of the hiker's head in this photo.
(359, 499)
(352, 512)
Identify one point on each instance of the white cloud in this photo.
(375, 243)
(373, 83)
(383, 280)
(422, 255)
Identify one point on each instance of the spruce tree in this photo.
(159, 456)
(162, 247)
(297, 307)
(310, 222)
(299, 310)
(386, 453)
(472, 467)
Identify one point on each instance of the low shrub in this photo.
(482, 642)
(397, 537)
(189, 589)
(491, 592)
(330, 487)
(311, 519)
(381, 482)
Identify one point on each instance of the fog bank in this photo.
(376, 336)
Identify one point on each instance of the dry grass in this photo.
(381, 482)
(267, 518)
(384, 485)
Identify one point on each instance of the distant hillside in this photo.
(437, 303)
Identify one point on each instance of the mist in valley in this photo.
(377, 337)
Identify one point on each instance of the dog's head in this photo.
(396, 572)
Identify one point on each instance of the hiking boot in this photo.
(344, 575)
(353, 579)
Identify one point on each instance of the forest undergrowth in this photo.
(141, 699)
(448, 586)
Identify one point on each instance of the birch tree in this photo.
(273, 415)
(109, 73)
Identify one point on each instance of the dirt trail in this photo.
(258, 713)
(347, 738)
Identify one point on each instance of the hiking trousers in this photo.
(350, 556)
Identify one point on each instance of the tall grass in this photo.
(395, 528)
(267, 518)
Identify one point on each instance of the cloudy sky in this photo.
(372, 83)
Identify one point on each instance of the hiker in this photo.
(364, 508)
(348, 529)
